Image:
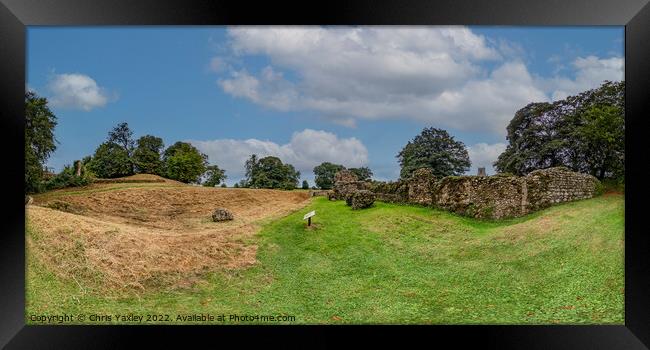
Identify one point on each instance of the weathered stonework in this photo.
(486, 197)
(421, 187)
(221, 214)
(481, 196)
(346, 183)
(360, 199)
(345, 176)
(391, 192)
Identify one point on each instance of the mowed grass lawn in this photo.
(393, 264)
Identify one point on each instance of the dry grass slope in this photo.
(147, 236)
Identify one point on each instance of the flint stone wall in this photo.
(481, 196)
(485, 197)
(346, 183)
(421, 187)
(390, 192)
(360, 199)
(556, 185)
(497, 197)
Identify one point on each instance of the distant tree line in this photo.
(585, 133)
(269, 172)
(120, 155)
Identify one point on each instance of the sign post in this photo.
(308, 217)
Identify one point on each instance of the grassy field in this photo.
(394, 264)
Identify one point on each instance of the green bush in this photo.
(612, 185)
(68, 178)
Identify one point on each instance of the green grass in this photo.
(393, 264)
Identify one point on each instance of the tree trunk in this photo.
(78, 167)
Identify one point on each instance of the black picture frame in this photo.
(15, 15)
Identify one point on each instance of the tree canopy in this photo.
(214, 176)
(325, 174)
(434, 149)
(122, 135)
(110, 160)
(585, 133)
(184, 163)
(39, 139)
(270, 172)
(146, 155)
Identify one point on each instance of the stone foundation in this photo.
(485, 197)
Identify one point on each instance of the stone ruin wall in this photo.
(390, 192)
(557, 185)
(486, 197)
(421, 187)
(493, 197)
(346, 183)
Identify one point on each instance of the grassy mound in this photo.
(138, 178)
(132, 239)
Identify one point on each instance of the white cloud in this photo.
(590, 72)
(305, 150)
(434, 75)
(76, 91)
(484, 155)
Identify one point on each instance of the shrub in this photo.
(68, 178)
(610, 185)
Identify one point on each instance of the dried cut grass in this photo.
(144, 239)
(143, 178)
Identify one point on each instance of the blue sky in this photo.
(351, 95)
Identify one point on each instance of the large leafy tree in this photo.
(305, 185)
(214, 176)
(123, 136)
(601, 141)
(584, 132)
(250, 167)
(146, 155)
(110, 160)
(270, 172)
(183, 162)
(363, 173)
(39, 139)
(114, 158)
(325, 174)
(533, 141)
(435, 149)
